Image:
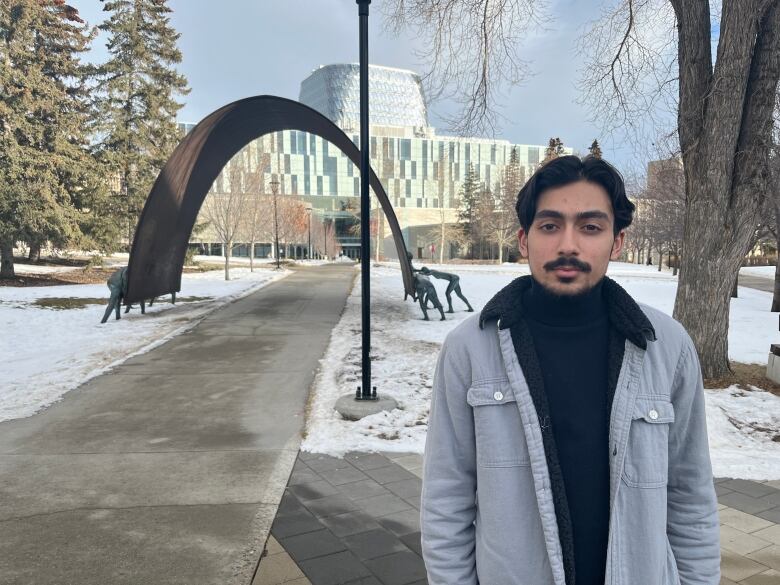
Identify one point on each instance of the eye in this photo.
(544, 227)
(592, 228)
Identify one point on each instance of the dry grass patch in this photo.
(744, 376)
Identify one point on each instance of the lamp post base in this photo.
(351, 409)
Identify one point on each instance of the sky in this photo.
(254, 47)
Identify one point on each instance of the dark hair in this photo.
(570, 169)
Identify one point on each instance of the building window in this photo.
(419, 202)
(468, 152)
(402, 201)
(406, 149)
(312, 144)
(408, 188)
(286, 163)
(350, 168)
(435, 202)
(493, 154)
(425, 150)
(294, 184)
(414, 169)
(329, 165)
(333, 185)
(533, 155)
(294, 142)
(356, 190)
(307, 184)
(279, 142)
(319, 185)
(325, 148)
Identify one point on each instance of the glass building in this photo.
(422, 172)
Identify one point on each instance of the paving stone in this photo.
(343, 475)
(296, 523)
(402, 568)
(298, 477)
(775, 483)
(421, 582)
(720, 490)
(335, 569)
(412, 540)
(750, 488)
(736, 567)
(289, 503)
(773, 515)
(350, 523)
(383, 505)
(742, 521)
(374, 543)
(360, 490)
(367, 460)
(721, 479)
(396, 455)
(771, 533)
(416, 471)
(770, 577)
(389, 474)
(744, 502)
(401, 523)
(409, 461)
(313, 491)
(769, 556)
(301, 581)
(275, 569)
(301, 467)
(312, 545)
(306, 456)
(363, 581)
(773, 498)
(414, 501)
(331, 505)
(740, 542)
(272, 546)
(724, 581)
(405, 488)
(327, 463)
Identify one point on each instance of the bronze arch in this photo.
(164, 229)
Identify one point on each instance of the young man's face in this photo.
(570, 242)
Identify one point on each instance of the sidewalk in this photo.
(169, 469)
(355, 521)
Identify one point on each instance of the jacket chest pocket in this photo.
(498, 427)
(647, 455)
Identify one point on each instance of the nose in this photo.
(567, 245)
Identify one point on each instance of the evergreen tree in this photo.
(469, 201)
(595, 149)
(136, 100)
(554, 149)
(47, 177)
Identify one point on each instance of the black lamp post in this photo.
(274, 189)
(365, 392)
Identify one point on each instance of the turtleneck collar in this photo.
(545, 307)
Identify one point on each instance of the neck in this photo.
(545, 306)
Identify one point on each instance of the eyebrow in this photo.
(552, 214)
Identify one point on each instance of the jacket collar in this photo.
(624, 313)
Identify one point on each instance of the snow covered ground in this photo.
(48, 350)
(741, 423)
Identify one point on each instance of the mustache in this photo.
(571, 262)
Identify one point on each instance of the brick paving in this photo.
(355, 521)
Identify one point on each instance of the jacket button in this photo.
(653, 414)
(498, 396)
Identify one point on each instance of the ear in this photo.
(522, 238)
(617, 245)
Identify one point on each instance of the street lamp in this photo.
(310, 208)
(274, 189)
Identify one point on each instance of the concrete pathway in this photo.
(356, 521)
(757, 282)
(170, 468)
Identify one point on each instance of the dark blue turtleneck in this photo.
(571, 336)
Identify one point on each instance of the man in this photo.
(453, 285)
(567, 440)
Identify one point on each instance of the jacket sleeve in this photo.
(692, 516)
(448, 502)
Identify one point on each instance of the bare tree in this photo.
(474, 51)
(446, 233)
(257, 222)
(225, 208)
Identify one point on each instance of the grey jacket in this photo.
(487, 510)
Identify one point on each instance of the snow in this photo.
(53, 351)
(765, 271)
(405, 349)
(21, 269)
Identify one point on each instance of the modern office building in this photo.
(422, 172)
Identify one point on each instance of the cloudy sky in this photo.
(238, 48)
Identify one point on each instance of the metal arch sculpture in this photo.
(166, 222)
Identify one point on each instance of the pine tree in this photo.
(47, 177)
(136, 99)
(554, 149)
(469, 200)
(595, 149)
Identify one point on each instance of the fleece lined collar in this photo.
(624, 313)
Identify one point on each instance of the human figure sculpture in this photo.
(117, 284)
(453, 286)
(425, 291)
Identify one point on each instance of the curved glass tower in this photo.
(395, 95)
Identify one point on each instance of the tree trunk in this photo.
(6, 259)
(500, 253)
(251, 257)
(228, 246)
(776, 295)
(735, 288)
(35, 253)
